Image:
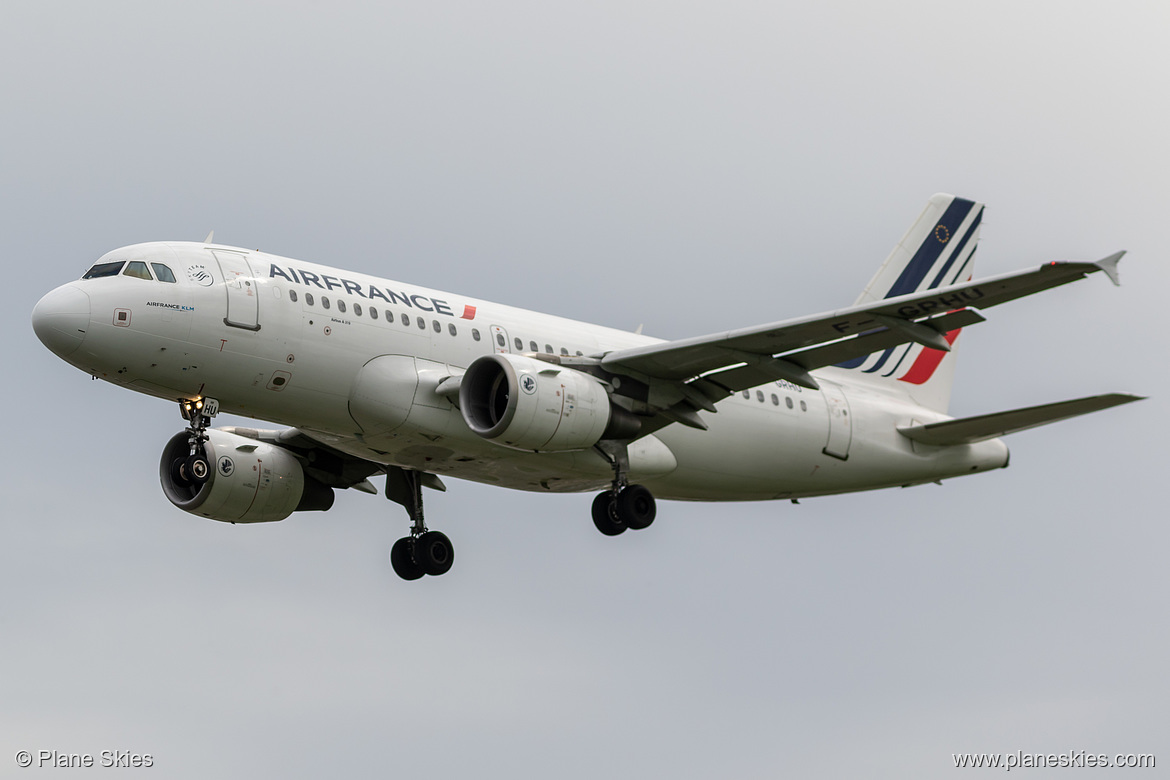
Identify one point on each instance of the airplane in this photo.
(379, 377)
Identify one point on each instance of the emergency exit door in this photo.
(500, 340)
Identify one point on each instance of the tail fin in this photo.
(937, 250)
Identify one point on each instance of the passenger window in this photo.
(104, 269)
(532, 347)
(373, 313)
(519, 345)
(788, 400)
(475, 334)
(292, 295)
(341, 306)
(775, 400)
(747, 394)
(163, 273)
(451, 328)
(500, 339)
(803, 406)
(437, 326)
(138, 270)
(405, 319)
(422, 324)
(548, 348)
(309, 299)
(324, 302)
(580, 353)
(357, 310)
(760, 396)
(564, 351)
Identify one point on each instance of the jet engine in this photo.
(250, 481)
(532, 405)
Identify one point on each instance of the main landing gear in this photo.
(195, 468)
(423, 552)
(623, 505)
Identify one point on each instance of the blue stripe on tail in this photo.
(958, 251)
(916, 270)
(914, 274)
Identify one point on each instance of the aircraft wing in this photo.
(738, 359)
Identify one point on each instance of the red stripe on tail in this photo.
(927, 362)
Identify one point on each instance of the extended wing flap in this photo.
(969, 430)
(687, 358)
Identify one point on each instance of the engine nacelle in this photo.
(529, 404)
(251, 481)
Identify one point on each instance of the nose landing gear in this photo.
(195, 469)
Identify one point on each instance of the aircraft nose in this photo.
(61, 318)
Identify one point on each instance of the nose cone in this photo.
(61, 318)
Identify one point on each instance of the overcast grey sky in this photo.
(688, 166)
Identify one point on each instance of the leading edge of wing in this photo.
(687, 358)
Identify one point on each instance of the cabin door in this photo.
(243, 298)
(840, 421)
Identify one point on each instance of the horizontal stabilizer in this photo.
(969, 430)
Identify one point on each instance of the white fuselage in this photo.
(252, 330)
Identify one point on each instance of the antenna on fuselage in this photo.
(210, 236)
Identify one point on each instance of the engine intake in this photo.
(251, 481)
(528, 404)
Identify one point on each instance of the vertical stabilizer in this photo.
(938, 250)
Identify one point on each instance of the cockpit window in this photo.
(104, 269)
(163, 273)
(138, 270)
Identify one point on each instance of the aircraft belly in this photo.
(478, 461)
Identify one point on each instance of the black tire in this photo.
(603, 515)
(636, 507)
(402, 559)
(434, 553)
(197, 469)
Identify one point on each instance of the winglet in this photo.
(210, 236)
(1109, 266)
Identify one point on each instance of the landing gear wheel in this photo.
(197, 469)
(434, 553)
(423, 552)
(604, 517)
(402, 559)
(635, 507)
